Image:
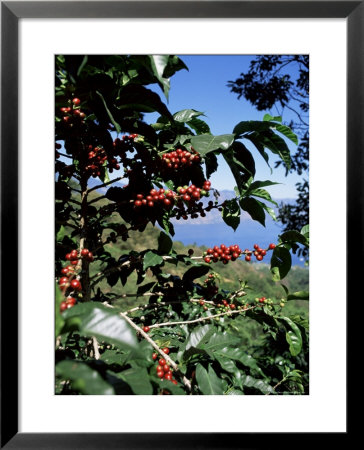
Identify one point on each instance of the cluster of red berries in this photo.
(72, 113)
(74, 256)
(68, 303)
(228, 305)
(188, 201)
(180, 158)
(258, 252)
(163, 369)
(202, 303)
(97, 157)
(193, 193)
(65, 283)
(167, 199)
(222, 253)
(162, 197)
(68, 282)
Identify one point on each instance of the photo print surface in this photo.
(181, 224)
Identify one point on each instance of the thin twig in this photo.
(201, 319)
(155, 305)
(96, 348)
(169, 360)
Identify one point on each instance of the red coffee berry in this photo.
(154, 356)
(84, 252)
(162, 362)
(146, 329)
(160, 374)
(272, 246)
(166, 350)
(248, 258)
(76, 101)
(63, 306)
(71, 301)
(76, 285)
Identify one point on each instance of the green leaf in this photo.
(152, 259)
(166, 224)
(208, 382)
(262, 193)
(59, 319)
(259, 184)
(186, 115)
(138, 380)
(82, 65)
(306, 231)
(293, 236)
(211, 164)
(299, 295)
(286, 131)
(198, 335)
(269, 210)
(112, 357)
(159, 64)
(197, 271)
(165, 244)
(280, 263)
(231, 213)
(139, 98)
(293, 336)
(240, 355)
(235, 392)
(206, 143)
(200, 126)
(62, 233)
(103, 323)
(83, 379)
(219, 340)
(113, 121)
(260, 385)
(241, 163)
(249, 126)
(277, 146)
(226, 364)
(254, 209)
(269, 118)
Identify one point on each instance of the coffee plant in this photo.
(117, 175)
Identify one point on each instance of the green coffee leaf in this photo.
(83, 379)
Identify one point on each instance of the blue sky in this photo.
(204, 88)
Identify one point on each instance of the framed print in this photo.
(150, 159)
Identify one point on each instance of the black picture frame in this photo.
(11, 12)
